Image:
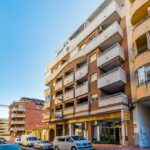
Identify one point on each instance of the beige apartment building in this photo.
(138, 25)
(4, 129)
(89, 89)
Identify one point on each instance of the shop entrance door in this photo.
(111, 135)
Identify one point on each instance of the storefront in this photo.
(110, 132)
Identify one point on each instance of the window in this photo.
(93, 57)
(68, 139)
(94, 97)
(93, 77)
(143, 75)
(61, 139)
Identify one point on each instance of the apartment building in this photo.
(25, 115)
(88, 82)
(138, 22)
(4, 129)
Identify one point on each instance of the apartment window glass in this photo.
(93, 58)
(94, 97)
(93, 77)
(143, 74)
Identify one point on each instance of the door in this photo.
(69, 143)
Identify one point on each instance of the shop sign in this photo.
(98, 117)
(126, 115)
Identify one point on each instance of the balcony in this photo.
(17, 129)
(143, 91)
(69, 95)
(47, 92)
(141, 28)
(58, 99)
(47, 105)
(109, 58)
(82, 89)
(15, 109)
(46, 116)
(81, 72)
(116, 100)
(142, 59)
(139, 10)
(17, 115)
(110, 36)
(108, 15)
(82, 107)
(58, 85)
(58, 114)
(69, 79)
(112, 81)
(17, 122)
(68, 111)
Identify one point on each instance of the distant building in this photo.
(25, 115)
(4, 130)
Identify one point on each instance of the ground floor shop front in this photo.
(103, 128)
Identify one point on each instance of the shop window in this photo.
(93, 77)
(93, 57)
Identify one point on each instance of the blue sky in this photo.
(30, 31)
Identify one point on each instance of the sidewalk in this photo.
(115, 147)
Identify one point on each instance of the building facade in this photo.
(25, 115)
(138, 25)
(89, 89)
(4, 129)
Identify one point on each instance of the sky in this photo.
(30, 32)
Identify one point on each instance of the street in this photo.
(27, 148)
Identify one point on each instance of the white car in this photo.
(18, 140)
(28, 140)
(43, 145)
(72, 143)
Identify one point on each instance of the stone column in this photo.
(71, 129)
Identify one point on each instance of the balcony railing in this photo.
(113, 99)
(113, 34)
(47, 105)
(68, 79)
(58, 114)
(69, 110)
(58, 85)
(18, 109)
(17, 115)
(110, 54)
(69, 95)
(82, 89)
(81, 72)
(17, 122)
(112, 80)
(59, 99)
(17, 129)
(47, 92)
(82, 107)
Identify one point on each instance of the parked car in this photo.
(18, 140)
(28, 140)
(2, 141)
(72, 143)
(9, 147)
(43, 145)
